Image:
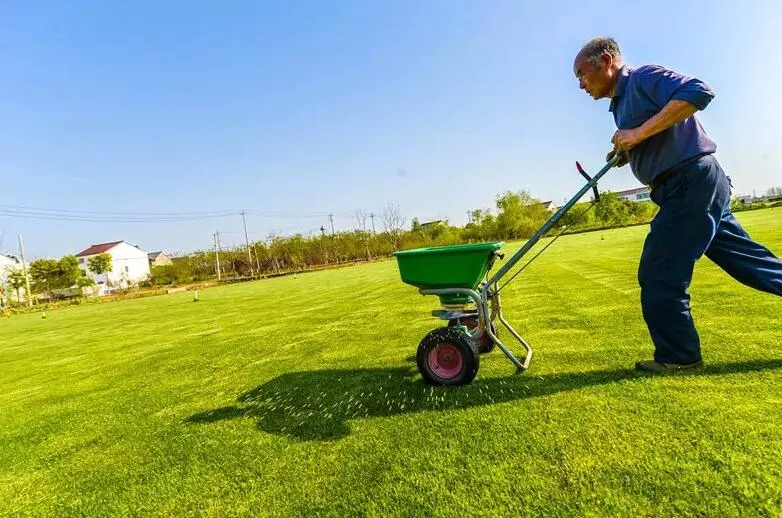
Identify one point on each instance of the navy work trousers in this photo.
(694, 219)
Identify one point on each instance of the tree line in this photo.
(48, 276)
(517, 216)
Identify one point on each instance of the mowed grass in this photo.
(298, 397)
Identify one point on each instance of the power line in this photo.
(56, 216)
(174, 213)
(139, 217)
(117, 213)
(296, 215)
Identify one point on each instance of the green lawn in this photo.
(298, 397)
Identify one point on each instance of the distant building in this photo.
(130, 264)
(639, 194)
(9, 263)
(158, 259)
(434, 223)
(548, 205)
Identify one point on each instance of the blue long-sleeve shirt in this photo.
(642, 93)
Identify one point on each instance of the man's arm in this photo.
(678, 97)
(673, 112)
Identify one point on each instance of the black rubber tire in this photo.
(485, 344)
(456, 338)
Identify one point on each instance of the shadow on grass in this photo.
(317, 405)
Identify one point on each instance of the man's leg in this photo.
(690, 209)
(745, 260)
(665, 275)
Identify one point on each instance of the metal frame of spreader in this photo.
(486, 296)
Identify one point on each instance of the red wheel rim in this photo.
(445, 361)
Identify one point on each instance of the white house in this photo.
(159, 259)
(639, 194)
(548, 205)
(9, 263)
(130, 264)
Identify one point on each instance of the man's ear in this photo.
(607, 60)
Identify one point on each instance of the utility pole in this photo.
(323, 231)
(372, 217)
(331, 219)
(27, 292)
(247, 241)
(469, 217)
(216, 238)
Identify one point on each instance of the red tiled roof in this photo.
(97, 249)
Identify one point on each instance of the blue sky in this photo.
(300, 109)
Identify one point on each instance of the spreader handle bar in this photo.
(551, 222)
(588, 179)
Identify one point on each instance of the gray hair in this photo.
(599, 46)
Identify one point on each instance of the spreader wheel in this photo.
(447, 357)
(485, 343)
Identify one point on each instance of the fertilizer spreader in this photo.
(470, 299)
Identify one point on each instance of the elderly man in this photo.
(668, 149)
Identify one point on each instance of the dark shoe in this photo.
(665, 368)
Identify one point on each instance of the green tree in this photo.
(580, 217)
(16, 281)
(178, 272)
(44, 274)
(520, 215)
(69, 272)
(642, 211)
(482, 226)
(100, 264)
(48, 274)
(611, 211)
(84, 282)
